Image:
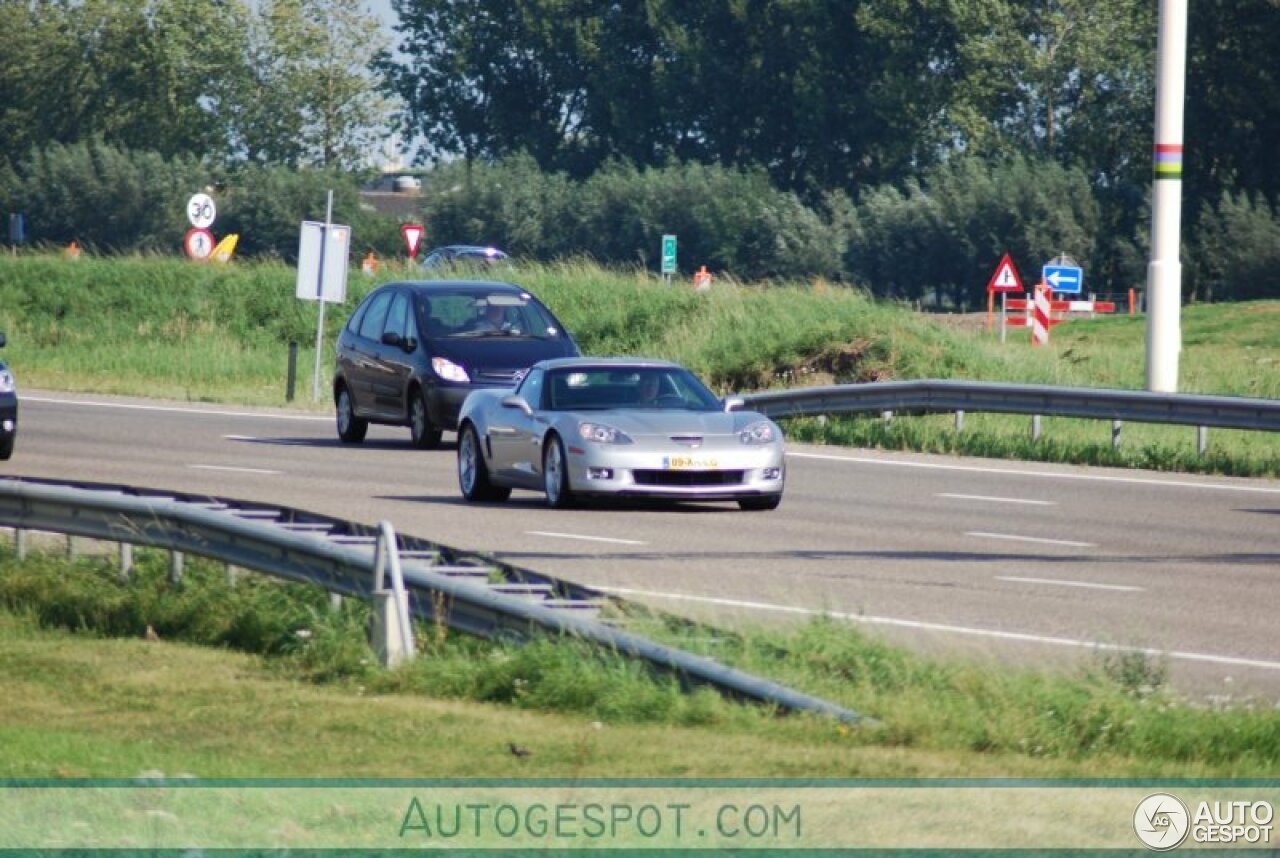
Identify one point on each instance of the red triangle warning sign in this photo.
(1006, 278)
(412, 233)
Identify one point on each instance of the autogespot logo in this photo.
(1161, 821)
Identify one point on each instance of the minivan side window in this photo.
(375, 316)
(398, 316)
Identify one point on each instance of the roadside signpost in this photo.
(198, 243)
(201, 211)
(322, 272)
(412, 233)
(1063, 274)
(1004, 280)
(668, 256)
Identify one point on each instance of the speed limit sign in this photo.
(201, 211)
(198, 243)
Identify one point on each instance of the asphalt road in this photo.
(1007, 561)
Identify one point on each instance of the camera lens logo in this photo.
(1161, 821)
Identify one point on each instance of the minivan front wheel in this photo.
(351, 429)
(425, 435)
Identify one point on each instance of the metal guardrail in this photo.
(942, 396)
(444, 585)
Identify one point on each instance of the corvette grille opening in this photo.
(687, 478)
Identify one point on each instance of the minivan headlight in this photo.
(760, 432)
(602, 434)
(7, 383)
(448, 370)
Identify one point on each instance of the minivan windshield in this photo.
(472, 314)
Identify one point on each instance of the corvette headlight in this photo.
(602, 434)
(760, 432)
(7, 384)
(448, 370)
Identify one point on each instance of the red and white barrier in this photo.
(1040, 317)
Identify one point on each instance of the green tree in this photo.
(144, 74)
(308, 94)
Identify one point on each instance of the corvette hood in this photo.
(644, 424)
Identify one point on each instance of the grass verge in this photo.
(249, 679)
(172, 329)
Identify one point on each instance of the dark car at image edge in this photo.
(8, 409)
(411, 352)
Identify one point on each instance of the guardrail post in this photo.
(233, 574)
(1115, 434)
(1202, 439)
(886, 416)
(959, 420)
(175, 567)
(20, 543)
(126, 562)
(392, 630)
(72, 547)
(335, 602)
(1035, 427)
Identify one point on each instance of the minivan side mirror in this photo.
(519, 403)
(391, 338)
(734, 403)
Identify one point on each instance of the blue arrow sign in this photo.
(1064, 278)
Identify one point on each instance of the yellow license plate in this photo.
(680, 463)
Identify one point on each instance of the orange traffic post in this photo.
(370, 265)
(1132, 301)
(702, 279)
(73, 250)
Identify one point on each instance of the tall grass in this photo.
(1113, 713)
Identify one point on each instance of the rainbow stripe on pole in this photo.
(1168, 160)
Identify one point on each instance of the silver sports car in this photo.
(612, 426)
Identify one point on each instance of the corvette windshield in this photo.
(632, 388)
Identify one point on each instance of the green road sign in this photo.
(668, 254)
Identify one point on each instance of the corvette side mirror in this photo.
(517, 402)
(733, 403)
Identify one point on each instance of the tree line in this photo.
(902, 144)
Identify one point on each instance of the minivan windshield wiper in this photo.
(486, 333)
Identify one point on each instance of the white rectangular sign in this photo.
(327, 282)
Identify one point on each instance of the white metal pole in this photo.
(324, 237)
(1164, 273)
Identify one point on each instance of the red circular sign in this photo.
(198, 243)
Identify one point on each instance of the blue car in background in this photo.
(8, 409)
(463, 255)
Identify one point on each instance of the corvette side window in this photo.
(531, 389)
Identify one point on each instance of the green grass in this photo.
(169, 328)
(248, 680)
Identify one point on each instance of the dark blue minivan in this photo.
(412, 351)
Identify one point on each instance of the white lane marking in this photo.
(1123, 588)
(1013, 537)
(1020, 637)
(172, 409)
(230, 468)
(986, 499)
(585, 538)
(1018, 472)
